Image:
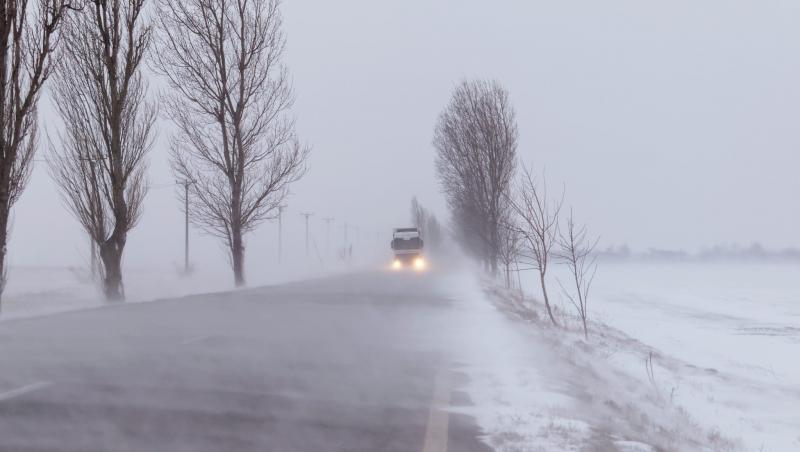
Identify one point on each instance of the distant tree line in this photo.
(727, 252)
(229, 95)
(429, 227)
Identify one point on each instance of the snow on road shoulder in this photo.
(539, 388)
(514, 401)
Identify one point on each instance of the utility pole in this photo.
(347, 249)
(280, 232)
(306, 214)
(185, 184)
(328, 235)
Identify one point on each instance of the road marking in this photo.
(438, 419)
(24, 390)
(194, 340)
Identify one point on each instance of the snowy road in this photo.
(354, 363)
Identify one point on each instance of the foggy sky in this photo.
(671, 123)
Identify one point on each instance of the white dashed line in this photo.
(24, 390)
(438, 419)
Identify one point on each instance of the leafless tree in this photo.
(538, 216)
(230, 99)
(476, 140)
(29, 32)
(428, 225)
(100, 93)
(510, 247)
(418, 214)
(468, 228)
(433, 234)
(577, 252)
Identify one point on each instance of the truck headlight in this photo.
(419, 263)
(397, 265)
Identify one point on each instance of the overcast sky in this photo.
(671, 123)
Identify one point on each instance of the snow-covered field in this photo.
(35, 291)
(739, 323)
(32, 291)
(681, 357)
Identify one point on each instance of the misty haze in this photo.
(426, 226)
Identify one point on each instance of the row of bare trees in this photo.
(229, 95)
(428, 225)
(495, 219)
(476, 139)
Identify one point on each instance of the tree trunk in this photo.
(546, 299)
(237, 245)
(237, 255)
(111, 255)
(495, 246)
(4, 214)
(3, 240)
(581, 300)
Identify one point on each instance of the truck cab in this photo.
(407, 245)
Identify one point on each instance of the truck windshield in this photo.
(412, 243)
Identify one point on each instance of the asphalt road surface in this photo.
(352, 363)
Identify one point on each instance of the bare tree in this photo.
(433, 234)
(428, 225)
(28, 34)
(468, 229)
(101, 96)
(577, 252)
(418, 214)
(538, 216)
(476, 140)
(510, 247)
(230, 99)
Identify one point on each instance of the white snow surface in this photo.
(722, 340)
(32, 291)
(730, 336)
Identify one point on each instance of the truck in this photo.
(407, 245)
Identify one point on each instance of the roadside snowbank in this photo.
(540, 388)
